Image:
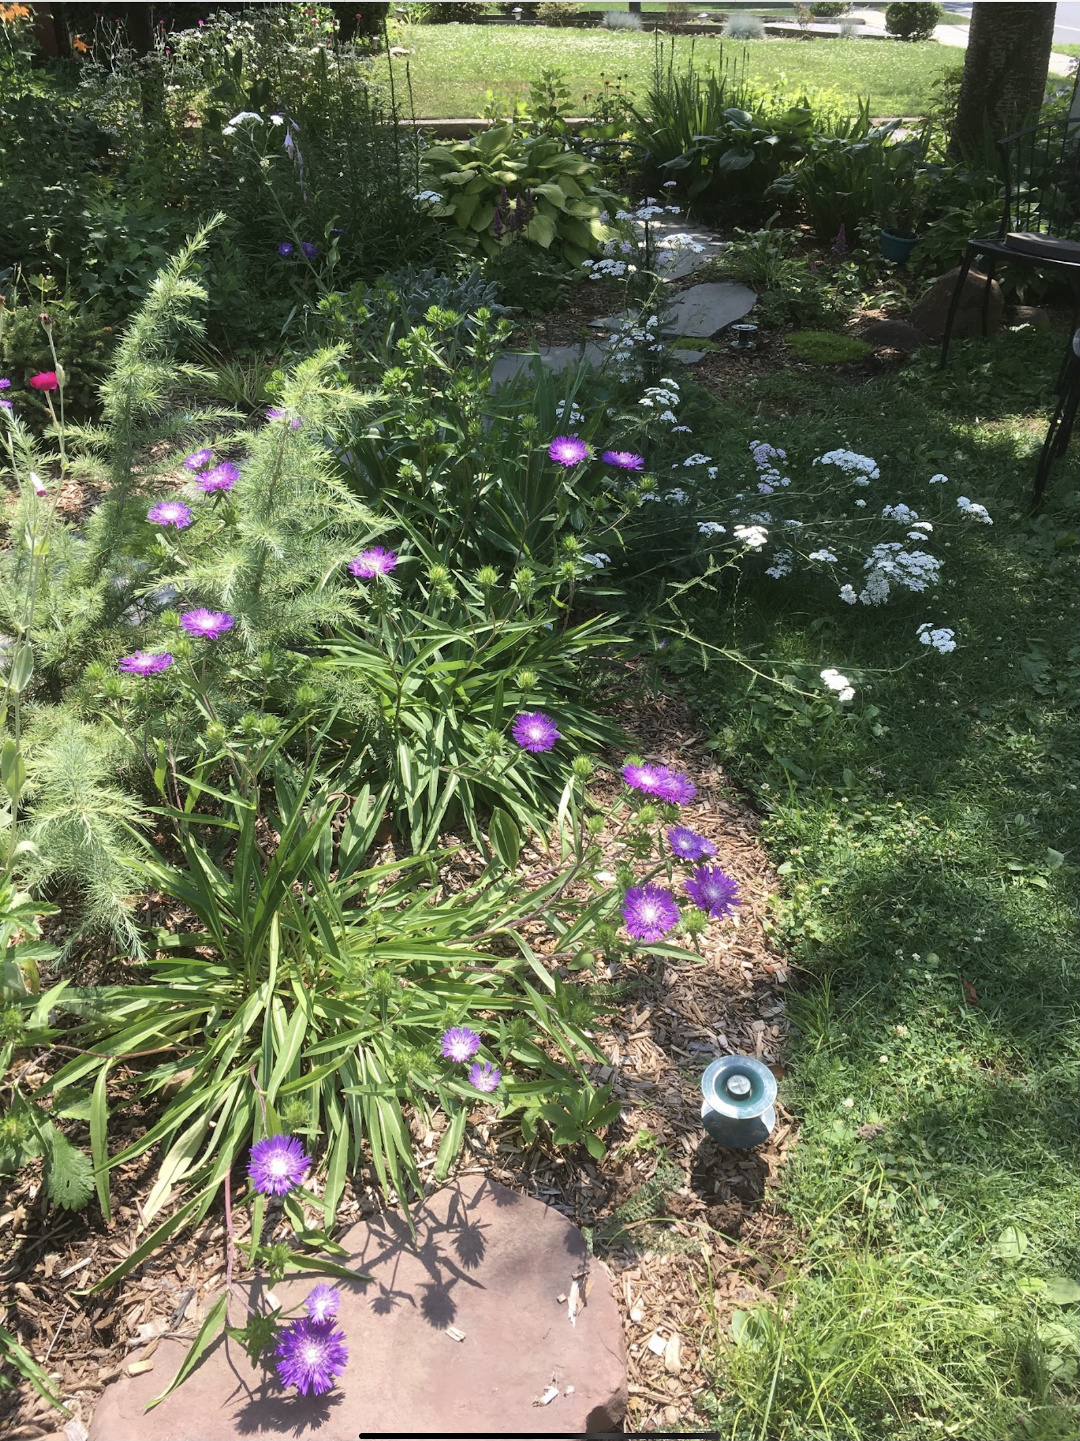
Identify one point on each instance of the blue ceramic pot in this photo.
(897, 247)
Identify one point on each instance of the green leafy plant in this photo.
(826, 347)
(503, 187)
(913, 19)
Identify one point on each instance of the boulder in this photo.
(891, 335)
(463, 1331)
(932, 310)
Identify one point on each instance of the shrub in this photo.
(501, 187)
(913, 19)
(744, 27)
(621, 20)
(828, 9)
(455, 12)
(557, 12)
(825, 347)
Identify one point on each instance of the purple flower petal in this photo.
(207, 624)
(568, 450)
(623, 459)
(277, 1165)
(323, 1303)
(535, 732)
(371, 563)
(222, 477)
(198, 458)
(661, 782)
(310, 251)
(460, 1044)
(649, 912)
(484, 1076)
(140, 664)
(714, 891)
(286, 248)
(170, 512)
(311, 1354)
(688, 845)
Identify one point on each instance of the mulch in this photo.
(683, 1255)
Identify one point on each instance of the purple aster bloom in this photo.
(277, 1165)
(649, 912)
(198, 458)
(170, 512)
(274, 413)
(310, 1355)
(675, 788)
(4, 383)
(644, 778)
(286, 248)
(689, 845)
(311, 251)
(714, 891)
(323, 1303)
(140, 664)
(222, 477)
(623, 459)
(460, 1044)
(207, 624)
(7, 404)
(568, 450)
(371, 563)
(534, 731)
(484, 1076)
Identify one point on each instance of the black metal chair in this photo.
(1064, 416)
(1040, 221)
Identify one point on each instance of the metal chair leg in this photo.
(954, 304)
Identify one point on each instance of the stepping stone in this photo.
(673, 241)
(554, 357)
(463, 1332)
(700, 311)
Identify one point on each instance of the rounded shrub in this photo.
(913, 19)
(744, 27)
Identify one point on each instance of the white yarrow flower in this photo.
(753, 536)
(974, 509)
(940, 637)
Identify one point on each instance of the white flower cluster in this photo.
(890, 564)
(711, 527)
(974, 509)
(428, 197)
(695, 459)
(666, 393)
(901, 512)
(861, 468)
(570, 413)
(769, 477)
(825, 556)
(242, 118)
(753, 536)
(783, 564)
(599, 559)
(612, 269)
(938, 480)
(940, 637)
(845, 691)
(678, 496)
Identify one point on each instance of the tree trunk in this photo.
(1008, 56)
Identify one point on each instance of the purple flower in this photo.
(714, 891)
(534, 731)
(371, 563)
(4, 384)
(310, 251)
(623, 459)
(689, 845)
(675, 788)
(649, 912)
(661, 782)
(140, 664)
(273, 413)
(286, 248)
(198, 458)
(170, 512)
(277, 1165)
(222, 477)
(460, 1044)
(7, 404)
(568, 450)
(323, 1303)
(484, 1076)
(207, 624)
(310, 1355)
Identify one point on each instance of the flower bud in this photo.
(306, 696)
(582, 767)
(594, 825)
(694, 921)
(269, 727)
(46, 320)
(215, 733)
(526, 679)
(648, 815)
(487, 576)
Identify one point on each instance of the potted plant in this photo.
(899, 199)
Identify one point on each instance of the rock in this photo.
(891, 335)
(1028, 315)
(489, 1266)
(932, 310)
(700, 311)
(554, 357)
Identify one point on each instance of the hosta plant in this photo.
(502, 186)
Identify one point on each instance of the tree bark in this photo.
(1005, 69)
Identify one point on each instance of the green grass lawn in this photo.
(928, 844)
(454, 65)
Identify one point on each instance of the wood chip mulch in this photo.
(689, 1231)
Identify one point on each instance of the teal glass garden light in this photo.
(737, 1109)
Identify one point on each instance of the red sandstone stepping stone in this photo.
(490, 1264)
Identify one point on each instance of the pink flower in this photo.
(45, 380)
